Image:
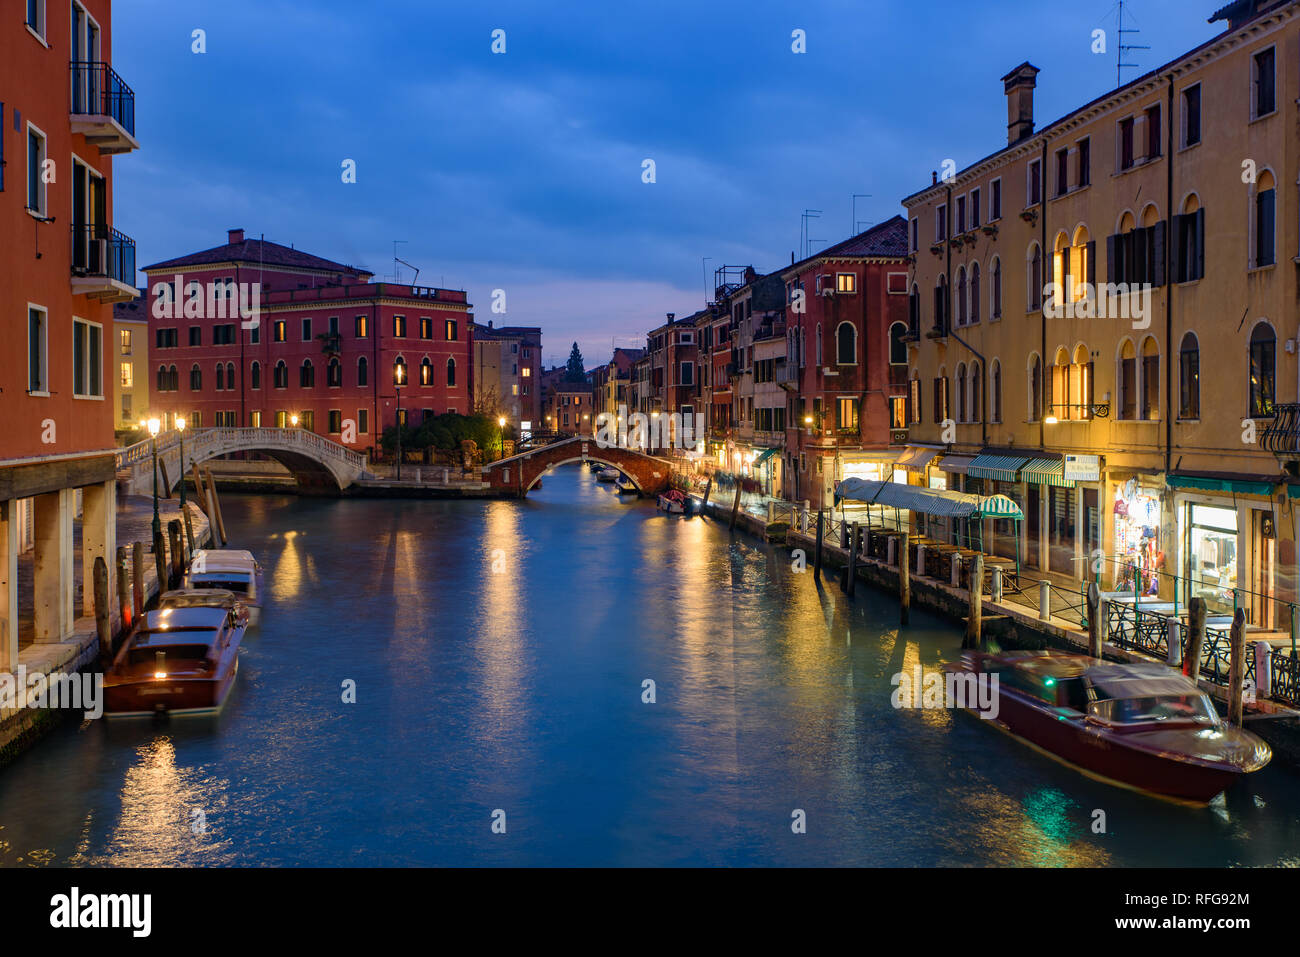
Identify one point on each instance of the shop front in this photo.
(1137, 562)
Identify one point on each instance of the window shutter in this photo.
(1177, 267)
(1112, 259)
(1159, 234)
(1091, 278)
(1199, 230)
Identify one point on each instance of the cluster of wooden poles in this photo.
(171, 556)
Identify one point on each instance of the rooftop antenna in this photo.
(803, 229)
(1122, 48)
(396, 275)
(704, 275)
(853, 219)
(406, 264)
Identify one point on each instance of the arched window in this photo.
(255, 375)
(401, 374)
(363, 371)
(995, 294)
(1035, 386)
(426, 371)
(1150, 379)
(1061, 268)
(1265, 217)
(307, 374)
(819, 343)
(1083, 263)
(976, 412)
(1189, 241)
(334, 373)
(961, 392)
(451, 372)
(962, 302)
(173, 379)
(1189, 378)
(230, 375)
(846, 344)
(1127, 380)
(1034, 277)
(898, 344)
(281, 375)
(974, 292)
(196, 378)
(995, 391)
(221, 376)
(1058, 399)
(914, 398)
(1263, 345)
(162, 378)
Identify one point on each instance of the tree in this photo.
(574, 369)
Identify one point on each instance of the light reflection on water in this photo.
(498, 651)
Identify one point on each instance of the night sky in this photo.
(523, 170)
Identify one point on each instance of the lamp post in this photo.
(180, 436)
(154, 427)
(501, 439)
(399, 380)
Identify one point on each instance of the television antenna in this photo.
(853, 224)
(1122, 49)
(803, 229)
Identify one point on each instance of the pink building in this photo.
(252, 333)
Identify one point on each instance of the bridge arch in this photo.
(520, 473)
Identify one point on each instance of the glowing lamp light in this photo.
(293, 420)
(160, 675)
(1050, 420)
(502, 421)
(154, 427)
(180, 423)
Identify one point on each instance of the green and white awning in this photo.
(928, 501)
(764, 456)
(1046, 472)
(1000, 468)
(999, 506)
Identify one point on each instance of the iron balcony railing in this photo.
(98, 91)
(103, 251)
(1282, 434)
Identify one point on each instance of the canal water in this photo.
(499, 652)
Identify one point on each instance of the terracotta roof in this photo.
(133, 309)
(887, 239)
(255, 251)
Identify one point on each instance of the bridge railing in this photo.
(198, 441)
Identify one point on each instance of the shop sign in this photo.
(1083, 468)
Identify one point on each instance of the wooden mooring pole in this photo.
(216, 523)
(137, 579)
(1096, 627)
(200, 493)
(160, 560)
(103, 613)
(177, 562)
(904, 581)
(1195, 638)
(855, 541)
(189, 533)
(817, 555)
(708, 489)
(735, 507)
(1236, 666)
(975, 594)
(124, 588)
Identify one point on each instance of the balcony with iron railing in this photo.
(103, 107)
(1282, 434)
(103, 263)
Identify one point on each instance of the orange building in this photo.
(65, 114)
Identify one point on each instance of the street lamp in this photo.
(180, 436)
(293, 421)
(154, 427)
(501, 440)
(399, 380)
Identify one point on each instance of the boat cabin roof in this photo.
(221, 575)
(159, 625)
(198, 598)
(1139, 680)
(1042, 664)
(220, 559)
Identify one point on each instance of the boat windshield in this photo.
(149, 653)
(229, 581)
(1157, 708)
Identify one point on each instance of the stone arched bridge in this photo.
(317, 463)
(519, 473)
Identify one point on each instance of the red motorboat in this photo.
(180, 660)
(1142, 726)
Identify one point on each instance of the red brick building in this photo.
(326, 346)
(839, 370)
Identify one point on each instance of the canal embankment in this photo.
(1006, 623)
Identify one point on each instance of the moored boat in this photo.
(673, 502)
(205, 598)
(1142, 726)
(608, 475)
(179, 660)
(228, 569)
(626, 486)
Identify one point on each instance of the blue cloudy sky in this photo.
(522, 171)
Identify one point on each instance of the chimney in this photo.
(1019, 86)
(671, 317)
(234, 236)
(934, 177)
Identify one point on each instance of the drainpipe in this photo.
(1044, 380)
(377, 425)
(1169, 283)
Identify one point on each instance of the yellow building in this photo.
(131, 365)
(1104, 324)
